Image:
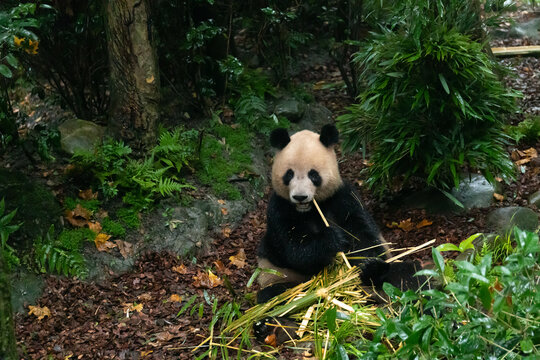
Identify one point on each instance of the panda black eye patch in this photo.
(288, 177)
(315, 177)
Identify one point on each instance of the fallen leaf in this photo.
(181, 269)
(40, 312)
(164, 336)
(499, 197)
(226, 231)
(102, 242)
(145, 297)
(221, 268)
(271, 340)
(150, 79)
(125, 248)
(206, 280)
(239, 260)
(87, 194)
(82, 212)
(175, 298)
(132, 307)
(95, 226)
(406, 225)
(146, 353)
(224, 211)
(221, 202)
(423, 223)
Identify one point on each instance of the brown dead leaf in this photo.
(82, 212)
(224, 211)
(87, 194)
(524, 156)
(239, 260)
(40, 312)
(181, 269)
(221, 268)
(164, 336)
(102, 242)
(367, 163)
(95, 226)
(175, 298)
(499, 197)
(226, 231)
(125, 248)
(406, 225)
(221, 202)
(271, 340)
(423, 223)
(145, 297)
(206, 280)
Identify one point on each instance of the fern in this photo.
(168, 186)
(55, 260)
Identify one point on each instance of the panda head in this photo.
(305, 166)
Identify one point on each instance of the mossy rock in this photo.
(37, 208)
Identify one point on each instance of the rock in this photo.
(290, 108)
(503, 219)
(79, 134)
(534, 199)
(26, 288)
(475, 191)
(315, 117)
(529, 29)
(37, 208)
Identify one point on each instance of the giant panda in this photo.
(297, 243)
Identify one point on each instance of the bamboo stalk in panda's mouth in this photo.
(320, 213)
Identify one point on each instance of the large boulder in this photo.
(504, 219)
(474, 191)
(82, 135)
(290, 108)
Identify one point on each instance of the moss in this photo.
(113, 228)
(220, 160)
(92, 205)
(130, 217)
(73, 239)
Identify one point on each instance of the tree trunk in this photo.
(8, 345)
(134, 75)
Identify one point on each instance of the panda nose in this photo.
(300, 198)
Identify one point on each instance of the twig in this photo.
(415, 249)
(320, 212)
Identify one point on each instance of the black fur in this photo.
(329, 135)
(279, 138)
(301, 241)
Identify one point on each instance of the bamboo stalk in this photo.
(415, 249)
(305, 321)
(320, 213)
(516, 50)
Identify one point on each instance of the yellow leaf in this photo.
(206, 280)
(18, 41)
(150, 79)
(40, 312)
(102, 242)
(406, 225)
(239, 260)
(222, 202)
(226, 232)
(181, 269)
(499, 197)
(146, 353)
(132, 307)
(423, 223)
(175, 298)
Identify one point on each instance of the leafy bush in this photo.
(113, 228)
(527, 131)
(6, 229)
(432, 104)
(483, 312)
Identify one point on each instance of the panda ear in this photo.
(329, 135)
(279, 138)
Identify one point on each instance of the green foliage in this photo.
(6, 229)
(527, 131)
(222, 156)
(62, 256)
(92, 204)
(485, 312)
(432, 103)
(130, 217)
(141, 181)
(113, 228)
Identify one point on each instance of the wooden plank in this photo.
(516, 50)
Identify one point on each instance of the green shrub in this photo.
(483, 312)
(527, 131)
(432, 104)
(72, 240)
(6, 229)
(130, 217)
